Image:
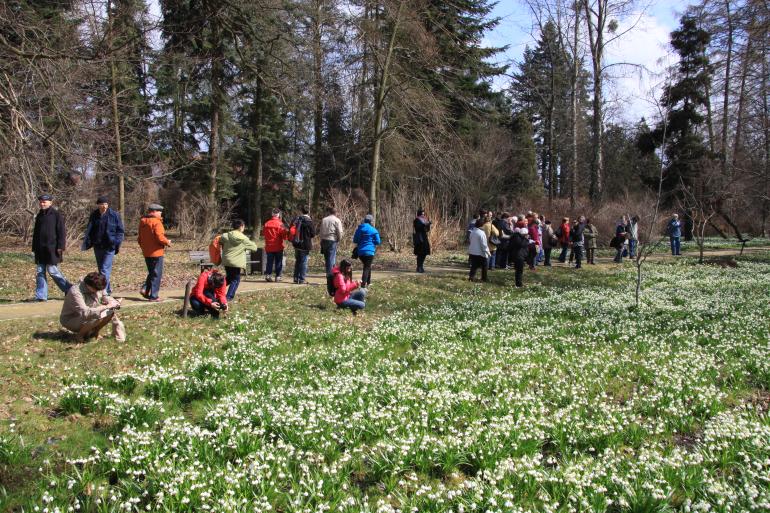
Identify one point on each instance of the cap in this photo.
(102, 199)
(155, 206)
(45, 197)
(369, 218)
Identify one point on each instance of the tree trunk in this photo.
(318, 106)
(596, 40)
(257, 163)
(742, 99)
(766, 136)
(379, 107)
(574, 108)
(116, 117)
(217, 98)
(726, 95)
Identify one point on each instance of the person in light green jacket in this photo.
(234, 246)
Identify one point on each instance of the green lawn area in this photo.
(443, 396)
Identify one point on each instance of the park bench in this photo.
(255, 261)
(202, 259)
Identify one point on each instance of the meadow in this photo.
(445, 396)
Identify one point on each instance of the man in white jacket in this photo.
(478, 250)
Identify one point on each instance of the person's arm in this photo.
(377, 240)
(85, 312)
(357, 236)
(248, 244)
(200, 286)
(87, 235)
(160, 234)
(61, 234)
(340, 230)
(221, 295)
(120, 232)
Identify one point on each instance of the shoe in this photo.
(301, 282)
(154, 299)
(268, 278)
(144, 293)
(278, 278)
(39, 300)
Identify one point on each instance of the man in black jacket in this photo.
(301, 235)
(49, 240)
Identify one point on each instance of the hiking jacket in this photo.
(152, 236)
(534, 234)
(342, 286)
(48, 236)
(548, 235)
(274, 232)
(234, 247)
(674, 228)
(590, 233)
(478, 243)
(203, 284)
(81, 306)
(303, 240)
(113, 235)
(368, 238)
(331, 228)
(490, 231)
(564, 230)
(519, 247)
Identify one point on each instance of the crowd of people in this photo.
(495, 241)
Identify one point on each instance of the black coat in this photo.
(505, 234)
(519, 247)
(420, 237)
(48, 237)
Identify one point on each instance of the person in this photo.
(49, 240)
(578, 241)
(301, 235)
(87, 309)
(675, 233)
(632, 228)
(562, 232)
(590, 234)
(478, 251)
(619, 241)
(520, 250)
(274, 232)
(540, 227)
(533, 227)
(420, 241)
(347, 292)
(366, 238)
(550, 241)
(491, 231)
(574, 226)
(152, 239)
(331, 233)
(234, 247)
(504, 228)
(209, 295)
(104, 233)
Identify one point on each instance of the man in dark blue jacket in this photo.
(105, 233)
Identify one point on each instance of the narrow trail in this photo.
(249, 285)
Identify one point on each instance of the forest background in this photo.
(221, 109)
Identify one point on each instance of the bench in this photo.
(255, 261)
(202, 259)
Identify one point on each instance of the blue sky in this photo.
(631, 90)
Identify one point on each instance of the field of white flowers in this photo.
(554, 399)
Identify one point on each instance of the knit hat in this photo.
(369, 218)
(102, 199)
(45, 197)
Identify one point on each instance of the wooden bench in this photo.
(202, 259)
(255, 261)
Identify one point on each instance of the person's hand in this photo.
(225, 307)
(215, 304)
(169, 244)
(59, 252)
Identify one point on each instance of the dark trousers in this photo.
(590, 255)
(563, 255)
(501, 258)
(200, 308)
(233, 278)
(421, 263)
(531, 256)
(154, 275)
(366, 273)
(578, 251)
(547, 252)
(274, 259)
(478, 262)
(518, 265)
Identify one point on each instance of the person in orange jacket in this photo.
(153, 241)
(209, 294)
(274, 232)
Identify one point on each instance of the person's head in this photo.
(564, 220)
(635, 219)
(675, 216)
(45, 201)
(331, 211)
(588, 221)
(505, 215)
(154, 209)
(482, 212)
(582, 219)
(95, 281)
(346, 268)
(239, 225)
(480, 222)
(542, 218)
(305, 210)
(625, 218)
(216, 279)
(368, 218)
(102, 203)
(420, 212)
(548, 222)
(276, 212)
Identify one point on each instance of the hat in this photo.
(154, 206)
(369, 218)
(45, 197)
(102, 199)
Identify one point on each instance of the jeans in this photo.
(200, 308)
(478, 262)
(154, 275)
(619, 254)
(491, 260)
(104, 258)
(421, 263)
(233, 279)
(300, 265)
(276, 259)
(676, 246)
(578, 250)
(540, 254)
(563, 255)
(356, 301)
(547, 254)
(41, 284)
(366, 273)
(329, 251)
(632, 247)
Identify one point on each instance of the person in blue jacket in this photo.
(674, 233)
(105, 233)
(366, 238)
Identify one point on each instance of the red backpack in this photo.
(215, 250)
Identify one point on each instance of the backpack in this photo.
(215, 250)
(330, 288)
(296, 241)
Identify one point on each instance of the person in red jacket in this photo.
(274, 232)
(345, 293)
(533, 228)
(209, 294)
(563, 234)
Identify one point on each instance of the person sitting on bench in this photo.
(209, 294)
(87, 309)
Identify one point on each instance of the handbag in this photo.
(355, 253)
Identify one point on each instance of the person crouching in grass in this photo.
(87, 309)
(348, 293)
(209, 294)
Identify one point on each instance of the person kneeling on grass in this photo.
(209, 294)
(345, 293)
(87, 309)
